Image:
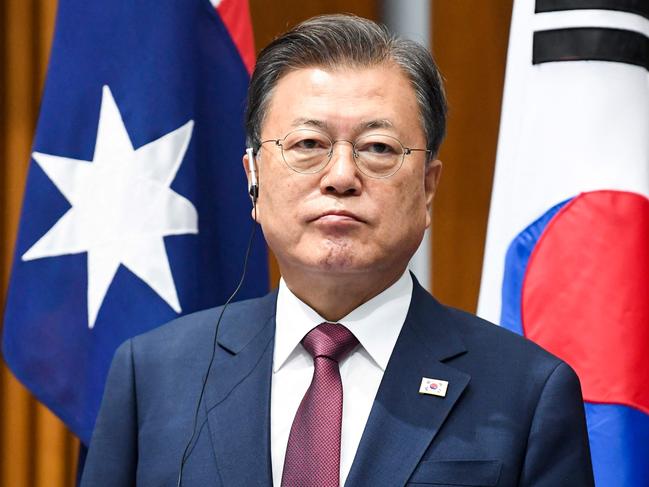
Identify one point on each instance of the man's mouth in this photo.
(338, 216)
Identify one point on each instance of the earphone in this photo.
(253, 186)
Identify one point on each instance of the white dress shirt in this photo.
(376, 324)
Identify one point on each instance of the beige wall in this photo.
(469, 39)
(470, 45)
(35, 448)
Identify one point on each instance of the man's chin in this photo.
(341, 264)
(332, 264)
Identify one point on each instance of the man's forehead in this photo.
(377, 96)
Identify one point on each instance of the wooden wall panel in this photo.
(35, 447)
(270, 19)
(470, 45)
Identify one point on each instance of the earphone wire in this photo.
(185, 456)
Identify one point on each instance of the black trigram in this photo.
(592, 43)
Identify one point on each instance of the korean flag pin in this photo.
(434, 387)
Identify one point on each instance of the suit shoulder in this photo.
(194, 332)
(514, 366)
(496, 341)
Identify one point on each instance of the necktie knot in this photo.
(331, 340)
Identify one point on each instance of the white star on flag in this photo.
(122, 207)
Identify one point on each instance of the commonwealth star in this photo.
(121, 207)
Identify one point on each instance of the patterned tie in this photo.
(313, 451)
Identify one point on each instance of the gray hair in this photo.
(332, 41)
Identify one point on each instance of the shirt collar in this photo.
(376, 323)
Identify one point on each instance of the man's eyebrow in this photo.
(375, 124)
(309, 122)
(359, 127)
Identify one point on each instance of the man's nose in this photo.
(341, 174)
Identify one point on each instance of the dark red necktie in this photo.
(313, 451)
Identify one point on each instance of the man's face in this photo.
(339, 221)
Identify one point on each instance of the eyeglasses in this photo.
(308, 151)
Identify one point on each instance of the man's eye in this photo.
(377, 148)
(306, 144)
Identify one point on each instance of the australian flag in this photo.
(136, 207)
(567, 255)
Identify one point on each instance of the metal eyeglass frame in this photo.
(355, 156)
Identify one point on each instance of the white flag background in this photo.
(566, 128)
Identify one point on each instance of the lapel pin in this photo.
(433, 387)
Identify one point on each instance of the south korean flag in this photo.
(567, 255)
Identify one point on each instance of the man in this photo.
(351, 373)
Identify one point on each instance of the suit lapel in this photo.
(402, 422)
(237, 396)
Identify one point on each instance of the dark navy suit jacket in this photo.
(512, 415)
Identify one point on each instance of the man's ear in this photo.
(246, 167)
(432, 174)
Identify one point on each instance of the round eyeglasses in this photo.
(309, 151)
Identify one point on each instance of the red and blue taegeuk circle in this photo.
(576, 282)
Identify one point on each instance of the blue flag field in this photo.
(136, 208)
